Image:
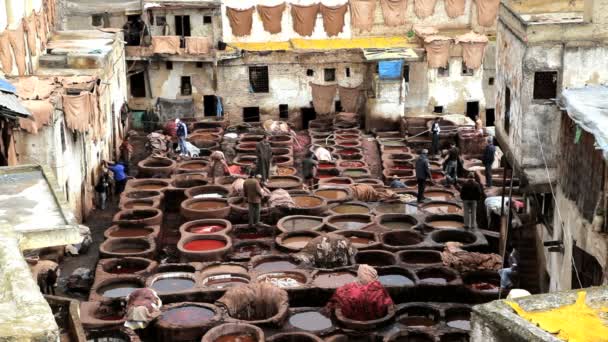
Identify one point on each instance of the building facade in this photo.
(542, 51)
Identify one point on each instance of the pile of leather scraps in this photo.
(328, 251)
(281, 199)
(272, 126)
(157, 144)
(465, 261)
(256, 301)
(367, 193)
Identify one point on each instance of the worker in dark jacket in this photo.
(263, 153)
(470, 193)
(423, 172)
(450, 164)
(253, 194)
(488, 160)
(309, 168)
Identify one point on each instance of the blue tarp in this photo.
(7, 87)
(390, 69)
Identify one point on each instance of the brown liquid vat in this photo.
(376, 258)
(140, 204)
(210, 190)
(204, 208)
(420, 258)
(335, 194)
(442, 207)
(204, 144)
(482, 282)
(219, 267)
(352, 207)
(273, 263)
(245, 160)
(186, 181)
(282, 151)
(361, 240)
(333, 279)
(147, 184)
(416, 336)
(397, 240)
(300, 223)
(199, 165)
(239, 206)
(248, 137)
(144, 217)
(245, 250)
(438, 276)
(447, 235)
(397, 221)
(141, 194)
(234, 329)
(294, 337)
(309, 205)
(97, 315)
(282, 160)
(205, 226)
(132, 231)
(445, 221)
(281, 140)
(127, 247)
(365, 325)
(348, 221)
(295, 241)
(284, 182)
(215, 254)
(154, 167)
(186, 321)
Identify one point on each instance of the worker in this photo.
(143, 306)
(478, 125)
(323, 154)
(435, 130)
(470, 193)
(263, 153)
(253, 194)
(450, 165)
(423, 172)
(309, 169)
(363, 300)
(488, 159)
(218, 166)
(396, 183)
(120, 176)
(182, 134)
(126, 149)
(102, 188)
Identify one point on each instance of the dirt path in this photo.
(372, 156)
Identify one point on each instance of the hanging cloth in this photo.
(41, 28)
(394, 12)
(16, 37)
(487, 11)
(362, 14)
(6, 57)
(349, 98)
(271, 17)
(424, 8)
(29, 25)
(323, 97)
(77, 111)
(42, 111)
(197, 45)
(437, 51)
(473, 48)
(454, 8)
(34, 88)
(425, 31)
(241, 21)
(304, 19)
(166, 44)
(333, 19)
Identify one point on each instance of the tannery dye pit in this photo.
(204, 245)
(310, 321)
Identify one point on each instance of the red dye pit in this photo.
(352, 164)
(204, 245)
(325, 166)
(348, 152)
(206, 229)
(401, 167)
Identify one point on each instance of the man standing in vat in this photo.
(470, 193)
(423, 172)
(263, 153)
(435, 130)
(253, 194)
(309, 168)
(488, 160)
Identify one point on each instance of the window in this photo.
(169, 65)
(199, 64)
(545, 85)
(310, 73)
(406, 73)
(507, 113)
(207, 19)
(186, 86)
(161, 20)
(283, 111)
(338, 106)
(210, 105)
(586, 268)
(182, 28)
(491, 81)
(137, 85)
(443, 72)
(97, 19)
(466, 71)
(258, 79)
(347, 72)
(329, 74)
(251, 114)
(473, 109)
(438, 109)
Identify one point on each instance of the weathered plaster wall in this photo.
(585, 65)
(489, 72)
(198, 28)
(259, 35)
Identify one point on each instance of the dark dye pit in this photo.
(350, 223)
(395, 280)
(310, 321)
(272, 266)
(417, 321)
(117, 290)
(224, 281)
(130, 232)
(188, 315)
(167, 285)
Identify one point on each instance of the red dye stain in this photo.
(402, 167)
(325, 165)
(437, 175)
(204, 245)
(207, 229)
(348, 152)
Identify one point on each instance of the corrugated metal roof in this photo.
(7, 86)
(11, 107)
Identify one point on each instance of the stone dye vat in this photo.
(209, 247)
(310, 320)
(348, 221)
(205, 208)
(225, 280)
(445, 221)
(173, 282)
(376, 258)
(234, 332)
(122, 247)
(300, 223)
(206, 226)
(186, 321)
(273, 263)
(333, 280)
(397, 221)
(334, 195)
(284, 279)
(350, 208)
(360, 239)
